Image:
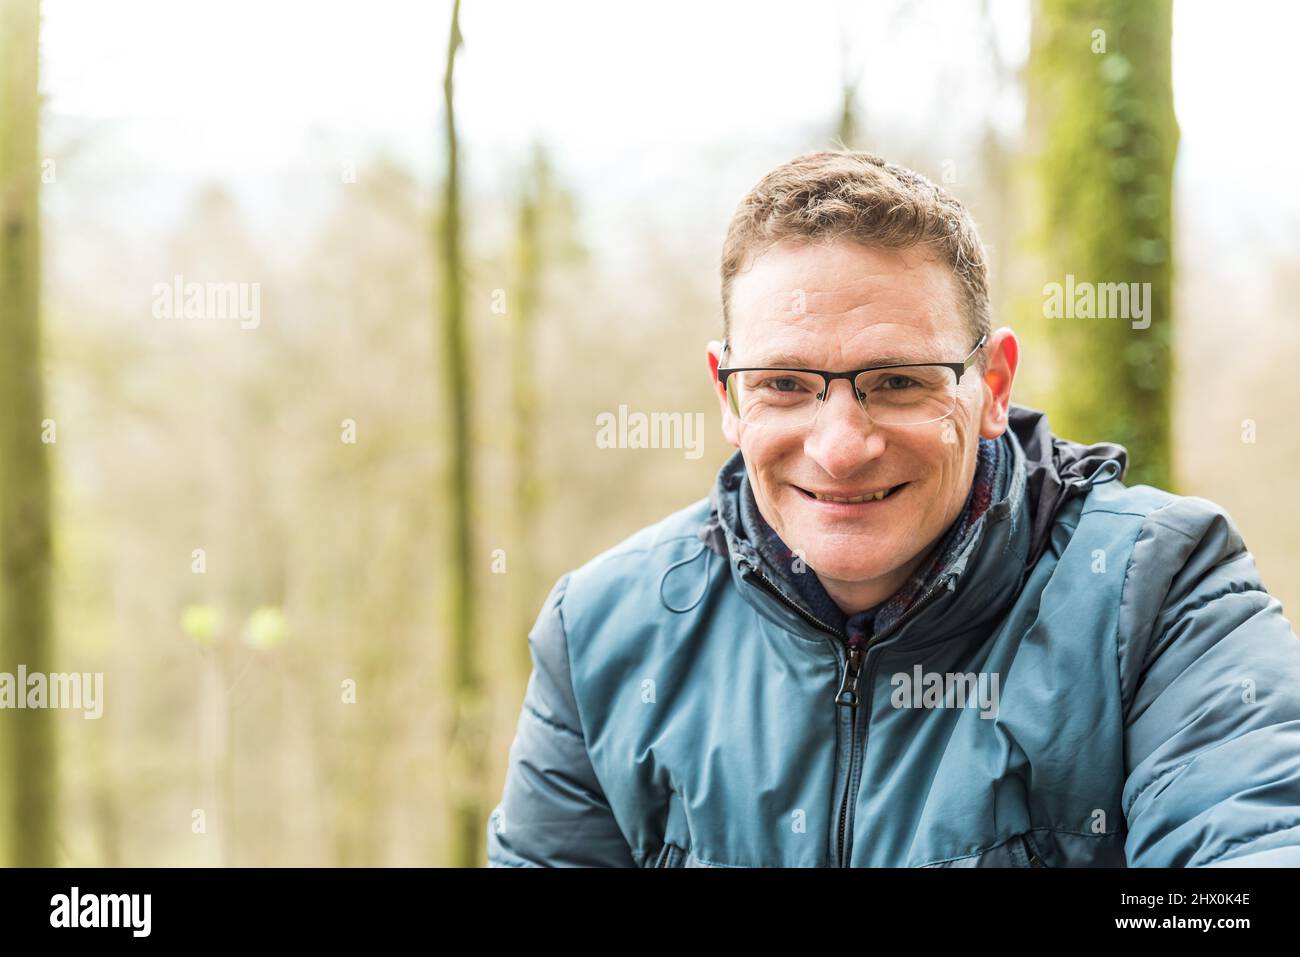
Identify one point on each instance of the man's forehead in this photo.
(883, 329)
(832, 277)
(772, 295)
(881, 305)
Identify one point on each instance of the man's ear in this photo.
(1003, 357)
(730, 428)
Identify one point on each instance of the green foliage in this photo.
(265, 628)
(201, 622)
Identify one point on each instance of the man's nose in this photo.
(842, 438)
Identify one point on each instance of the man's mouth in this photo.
(857, 498)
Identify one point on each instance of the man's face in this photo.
(845, 306)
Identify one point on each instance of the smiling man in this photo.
(862, 484)
(909, 626)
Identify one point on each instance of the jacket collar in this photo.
(1057, 468)
(1005, 544)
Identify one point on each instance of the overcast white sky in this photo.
(631, 96)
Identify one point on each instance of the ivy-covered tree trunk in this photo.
(25, 620)
(1103, 137)
(467, 737)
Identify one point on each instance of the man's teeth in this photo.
(876, 497)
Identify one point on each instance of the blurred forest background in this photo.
(305, 554)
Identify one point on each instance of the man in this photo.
(910, 626)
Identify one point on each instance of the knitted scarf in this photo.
(990, 484)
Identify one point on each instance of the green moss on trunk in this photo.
(1105, 136)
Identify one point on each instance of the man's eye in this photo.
(896, 383)
(783, 384)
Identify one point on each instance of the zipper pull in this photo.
(1034, 859)
(848, 693)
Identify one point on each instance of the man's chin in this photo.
(849, 572)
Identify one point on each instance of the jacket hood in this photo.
(1056, 470)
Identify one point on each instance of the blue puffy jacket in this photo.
(1100, 679)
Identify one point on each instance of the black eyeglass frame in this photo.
(828, 377)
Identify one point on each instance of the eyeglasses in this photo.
(899, 394)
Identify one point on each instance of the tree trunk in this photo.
(1104, 135)
(466, 737)
(25, 617)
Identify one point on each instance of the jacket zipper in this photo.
(769, 586)
(849, 685)
(1034, 859)
(847, 696)
(847, 693)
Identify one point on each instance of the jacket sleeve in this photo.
(1210, 672)
(552, 811)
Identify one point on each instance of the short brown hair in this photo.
(832, 195)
